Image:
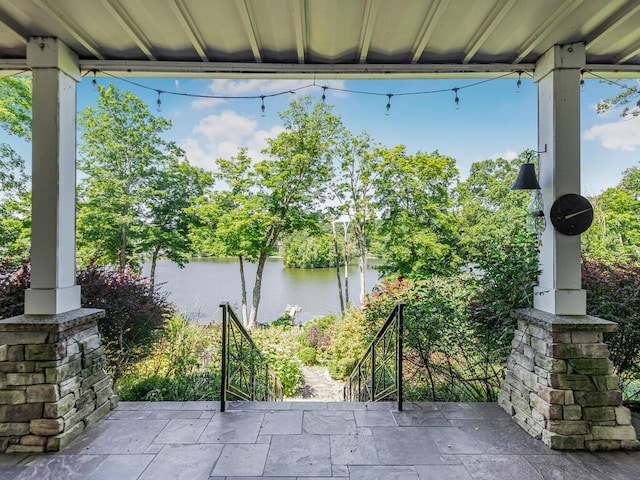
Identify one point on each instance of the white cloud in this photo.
(228, 125)
(202, 103)
(220, 136)
(258, 87)
(623, 134)
(508, 154)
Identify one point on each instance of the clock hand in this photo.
(575, 214)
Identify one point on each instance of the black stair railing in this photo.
(378, 375)
(245, 372)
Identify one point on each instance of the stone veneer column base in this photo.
(560, 385)
(52, 379)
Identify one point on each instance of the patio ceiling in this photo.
(327, 38)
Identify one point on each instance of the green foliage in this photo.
(613, 293)
(308, 355)
(306, 249)
(184, 366)
(627, 99)
(135, 195)
(614, 236)
(284, 321)
(348, 344)
(15, 215)
(280, 346)
(418, 226)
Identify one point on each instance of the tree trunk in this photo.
(362, 266)
(335, 245)
(152, 273)
(243, 285)
(123, 247)
(346, 265)
(255, 301)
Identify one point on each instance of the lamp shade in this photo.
(526, 178)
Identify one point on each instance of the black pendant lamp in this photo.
(527, 179)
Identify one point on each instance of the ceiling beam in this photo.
(436, 11)
(12, 27)
(486, 29)
(127, 23)
(629, 54)
(285, 70)
(70, 27)
(621, 15)
(366, 31)
(300, 27)
(565, 8)
(183, 15)
(246, 16)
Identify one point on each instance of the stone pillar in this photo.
(52, 380)
(558, 76)
(560, 386)
(55, 73)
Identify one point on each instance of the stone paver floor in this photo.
(313, 440)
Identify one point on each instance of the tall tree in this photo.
(15, 199)
(354, 187)
(175, 187)
(418, 224)
(291, 183)
(122, 150)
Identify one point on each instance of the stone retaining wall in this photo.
(52, 379)
(560, 385)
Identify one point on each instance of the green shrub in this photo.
(280, 346)
(308, 355)
(348, 344)
(183, 365)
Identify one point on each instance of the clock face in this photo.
(571, 214)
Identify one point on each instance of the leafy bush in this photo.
(184, 365)
(307, 249)
(134, 313)
(13, 282)
(348, 344)
(280, 346)
(308, 355)
(134, 318)
(317, 333)
(613, 293)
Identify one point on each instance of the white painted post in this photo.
(53, 246)
(558, 77)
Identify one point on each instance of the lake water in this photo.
(200, 287)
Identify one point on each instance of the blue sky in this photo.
(492, 119)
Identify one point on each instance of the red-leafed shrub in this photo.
(135, 314)
(613, 293)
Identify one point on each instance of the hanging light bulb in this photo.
(519, 82)
(389, 95)
(94, 82)
(457, 99)
(159, 102)
(324, 96)
(262, 107)
(582, 79)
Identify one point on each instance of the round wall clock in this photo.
(571, 214)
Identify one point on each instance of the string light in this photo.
(519, 82)
(581, 79)
(159, 102)
(94, 82)
(324, 88)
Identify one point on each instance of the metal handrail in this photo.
(378, 374)
(245, 372)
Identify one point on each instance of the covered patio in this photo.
(58, 42)
(308, 440)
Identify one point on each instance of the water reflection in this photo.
(199, 288)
